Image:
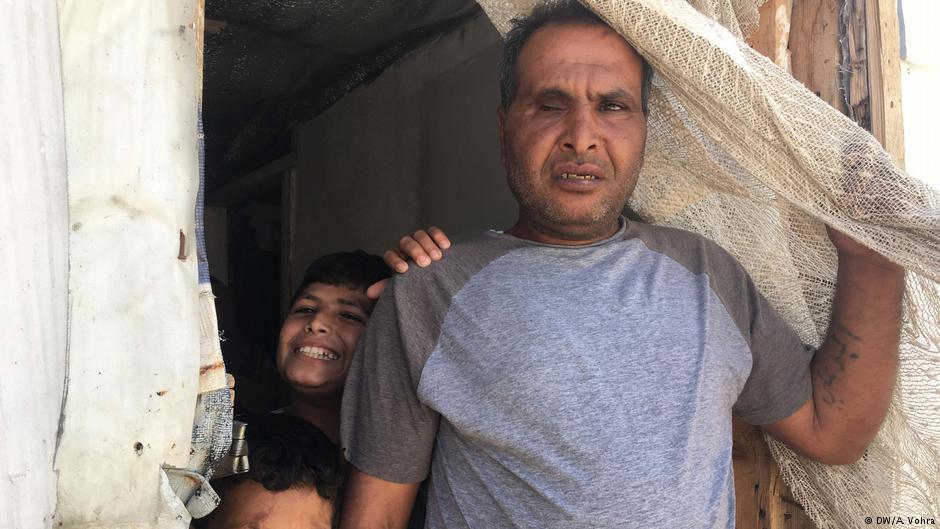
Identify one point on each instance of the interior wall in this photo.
(416, 147)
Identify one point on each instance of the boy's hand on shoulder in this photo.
(423, 247)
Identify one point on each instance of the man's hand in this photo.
(853, 372)
(423, 247)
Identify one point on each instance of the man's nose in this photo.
(580, 135)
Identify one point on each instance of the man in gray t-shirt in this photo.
(580, 370)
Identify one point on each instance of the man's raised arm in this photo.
(373, 503)
(853, 372)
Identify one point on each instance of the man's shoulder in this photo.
(693, 250)
(461, 262)
(664, 234)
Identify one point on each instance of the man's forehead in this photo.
(583, 51)
(574, 43)
(596, 34)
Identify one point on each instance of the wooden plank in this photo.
(851, 61)
(814, 48)
(884, 81)
(772, 38)
(872, 73)
(762, 499)
(855, 62)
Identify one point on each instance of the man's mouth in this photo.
(316, 352)
(573, 176)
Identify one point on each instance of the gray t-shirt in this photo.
(588, 386)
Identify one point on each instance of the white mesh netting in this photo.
(742, 153)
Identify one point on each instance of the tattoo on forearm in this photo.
(844, 330)
(827, 370)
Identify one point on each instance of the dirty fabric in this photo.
(212, 422)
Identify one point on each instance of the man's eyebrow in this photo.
(614, 95)
(552, 93)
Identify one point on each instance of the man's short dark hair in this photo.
(550, 12)
(356, 270)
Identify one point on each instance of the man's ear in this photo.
(501, 121)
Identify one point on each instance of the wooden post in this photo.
(876, 85)
(847, 53)
(814, 48)
(772, 39)
(763, 500)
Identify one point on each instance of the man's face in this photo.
(248, 505)
(573, 137)
(319, 336)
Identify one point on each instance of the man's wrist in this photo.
(871, 264)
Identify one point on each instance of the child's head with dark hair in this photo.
(327, 315)
(295, 478)
(356, 270)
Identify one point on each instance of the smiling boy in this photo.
(319, 335)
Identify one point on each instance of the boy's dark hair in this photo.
(285, 451)
(546, 13)
(356, 269)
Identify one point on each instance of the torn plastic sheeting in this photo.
(194, 490)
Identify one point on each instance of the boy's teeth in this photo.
(317, 352)
(573, 176)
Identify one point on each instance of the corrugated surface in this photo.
(130, 86)
(33, 260)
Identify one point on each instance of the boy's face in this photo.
(248, 505)
(319, 336)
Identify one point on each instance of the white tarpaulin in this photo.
(130, 79)
(33, 260)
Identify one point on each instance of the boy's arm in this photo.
(373, 503)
